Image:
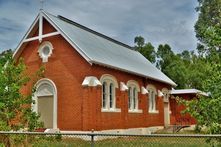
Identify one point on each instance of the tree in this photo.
(208, 26)
(201, 50)
(165, 56)
(4, 55)
(186, 69)
(207, 109)
(140, 41)
(208, 31)
(173, 65)
(15, 107)
(146, 49)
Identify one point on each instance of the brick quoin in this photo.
(79, 108)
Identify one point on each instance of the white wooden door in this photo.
(45, 109)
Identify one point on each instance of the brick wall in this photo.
(177, 117)
(79, 108)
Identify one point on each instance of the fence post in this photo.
(92, 138)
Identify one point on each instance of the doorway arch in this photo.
(45, 98)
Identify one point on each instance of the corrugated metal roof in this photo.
(188, 91)
(103, 50)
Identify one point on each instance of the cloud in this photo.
(159, 21)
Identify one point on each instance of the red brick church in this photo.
(91, 80)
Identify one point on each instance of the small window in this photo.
(111, 93)
(104, 97)
(152, 103)
(108, 94)
(109, 84)
(45, 51)
(129, 98)
(133, 89)
(152, 98)
(132, 98)
(135, 99)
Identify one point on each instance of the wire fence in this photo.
(11, 139)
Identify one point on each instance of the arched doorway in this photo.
(45, 99)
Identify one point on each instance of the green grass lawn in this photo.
(127, 142)
(65, 141)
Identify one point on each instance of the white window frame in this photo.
(41, 52)
(109, 79)
(133, 100)
(152, 96)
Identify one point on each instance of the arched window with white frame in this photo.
(152, 98)
(109, 85)
(132, 98)
(133, 102)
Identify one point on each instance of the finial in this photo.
(42, 4)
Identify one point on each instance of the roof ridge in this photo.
(94, 32)
(46, 12)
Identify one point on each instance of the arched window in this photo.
(133, 89)
(152, 98)
(132, 98)
(109, 84)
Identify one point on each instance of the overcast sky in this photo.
(158, 21)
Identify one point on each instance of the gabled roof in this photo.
(99, 49)
(188, 91)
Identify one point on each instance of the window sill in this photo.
(111, 110)
(154, 111)
(135, 111)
